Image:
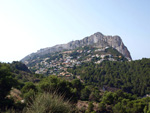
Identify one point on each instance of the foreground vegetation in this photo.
(49, 103)
(56, 95)
(38, 98)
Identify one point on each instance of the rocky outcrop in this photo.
(97, 40)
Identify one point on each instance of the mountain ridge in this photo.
(97, 39)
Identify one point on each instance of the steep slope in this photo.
(97, 39)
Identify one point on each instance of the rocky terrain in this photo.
(97, 39)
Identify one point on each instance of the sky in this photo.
(29, 25)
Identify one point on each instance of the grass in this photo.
(49, 103)
(46, 103)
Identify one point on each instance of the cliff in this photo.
(97, 40)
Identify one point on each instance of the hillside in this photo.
(132, 77)
(21, 72)
(58, 63)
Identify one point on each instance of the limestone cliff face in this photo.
(97, 40)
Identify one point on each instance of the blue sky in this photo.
(29, 25)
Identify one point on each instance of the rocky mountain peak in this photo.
(97, 39)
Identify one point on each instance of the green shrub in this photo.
(101, 107)
(90, 107)
(49, 103)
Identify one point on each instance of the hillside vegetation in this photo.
(21, 72)
(88, 94)
(132, 77)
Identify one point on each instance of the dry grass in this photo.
(49, 103)
(16, 94)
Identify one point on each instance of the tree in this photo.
(90, 107)
(49, 84)
(108, 98)
(29, 90)
(6, 83)
(85, 93)
(28, 86)
(61, 86)
(76, 83)
(101, 107)
(94, 96)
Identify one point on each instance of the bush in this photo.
(90, 107)
(49, 103)
(85, 93)
(29, 90)
(53, 84)
(101, 107)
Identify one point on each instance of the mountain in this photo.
(97, 40)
